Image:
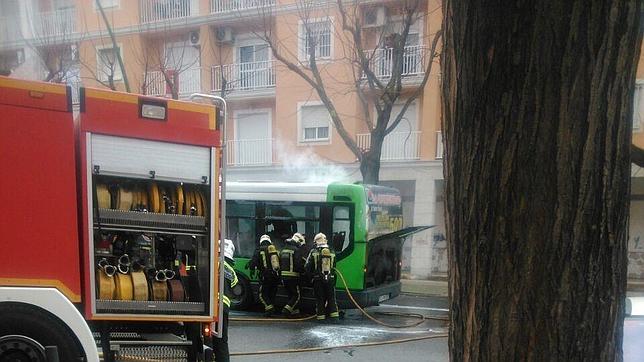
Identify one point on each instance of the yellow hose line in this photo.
(316, 349)
(346, 287)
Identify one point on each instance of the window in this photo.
(108, 64)
(316, 36)
(240, 225)
(341, 228)
(314, 123)
(638, 104)
(282, 221)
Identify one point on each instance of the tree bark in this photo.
(537, 98)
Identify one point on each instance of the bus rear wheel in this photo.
(34, 329)
(242, 297)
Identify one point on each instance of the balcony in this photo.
(60, 22)
(413, 64)
(152, 11)
(397, 146)
(253, 152)
(189, 82)
(224, 6)
(244, 79)
(439, 145)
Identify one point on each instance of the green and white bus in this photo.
(363, 224)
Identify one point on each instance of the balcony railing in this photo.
(243, 76)
(413, 62)
(223, 6)
(55, 23)
(188, 80)
(397, 146)
(252, 152)
(9, 29)
(159, 10)
(439, 145)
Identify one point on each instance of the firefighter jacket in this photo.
(266, 259)
(230, 280)
(291, 261)
(320, 263)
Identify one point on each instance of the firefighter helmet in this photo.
(265, 238)
(297, 239)
(320, 239)
(229, 249)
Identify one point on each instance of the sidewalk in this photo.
(436, 288)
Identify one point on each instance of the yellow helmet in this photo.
(320, 239)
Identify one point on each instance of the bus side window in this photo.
(241, 227)
(341, 228)
(242, 233)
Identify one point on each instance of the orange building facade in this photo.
(277, 127)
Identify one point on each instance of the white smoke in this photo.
(301, 164)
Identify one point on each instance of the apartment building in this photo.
(277, 126)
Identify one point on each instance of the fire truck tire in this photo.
(242, 297)
(41, 326)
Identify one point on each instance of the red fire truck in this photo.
(109, 223)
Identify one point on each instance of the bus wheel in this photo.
(242, 297)
(34, 329)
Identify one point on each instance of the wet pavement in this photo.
(353, 329)
(357, 329)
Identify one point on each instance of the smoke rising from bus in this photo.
(302, 164)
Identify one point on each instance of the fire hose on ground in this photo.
(363, 311)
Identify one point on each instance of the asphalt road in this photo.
(353, 329)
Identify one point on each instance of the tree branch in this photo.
(114, 46)
(421, 87)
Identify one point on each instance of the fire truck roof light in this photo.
(153, 111)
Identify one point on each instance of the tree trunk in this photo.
(370, 168)
(370, 161)
(537, 98)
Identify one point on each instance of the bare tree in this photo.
(55, 43)
(537, 102)
(372, 88)
(166, 60)
(106, 71)
(109, 69)
(173, 60)
(117, 54)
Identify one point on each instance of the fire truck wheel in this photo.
(242, 297)
(41, 326)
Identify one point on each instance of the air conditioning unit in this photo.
(224, 34)
(375, 17)
(194, 38)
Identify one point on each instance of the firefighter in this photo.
(266, 261)
(291, 268)
(220, 345)
(321, 265)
